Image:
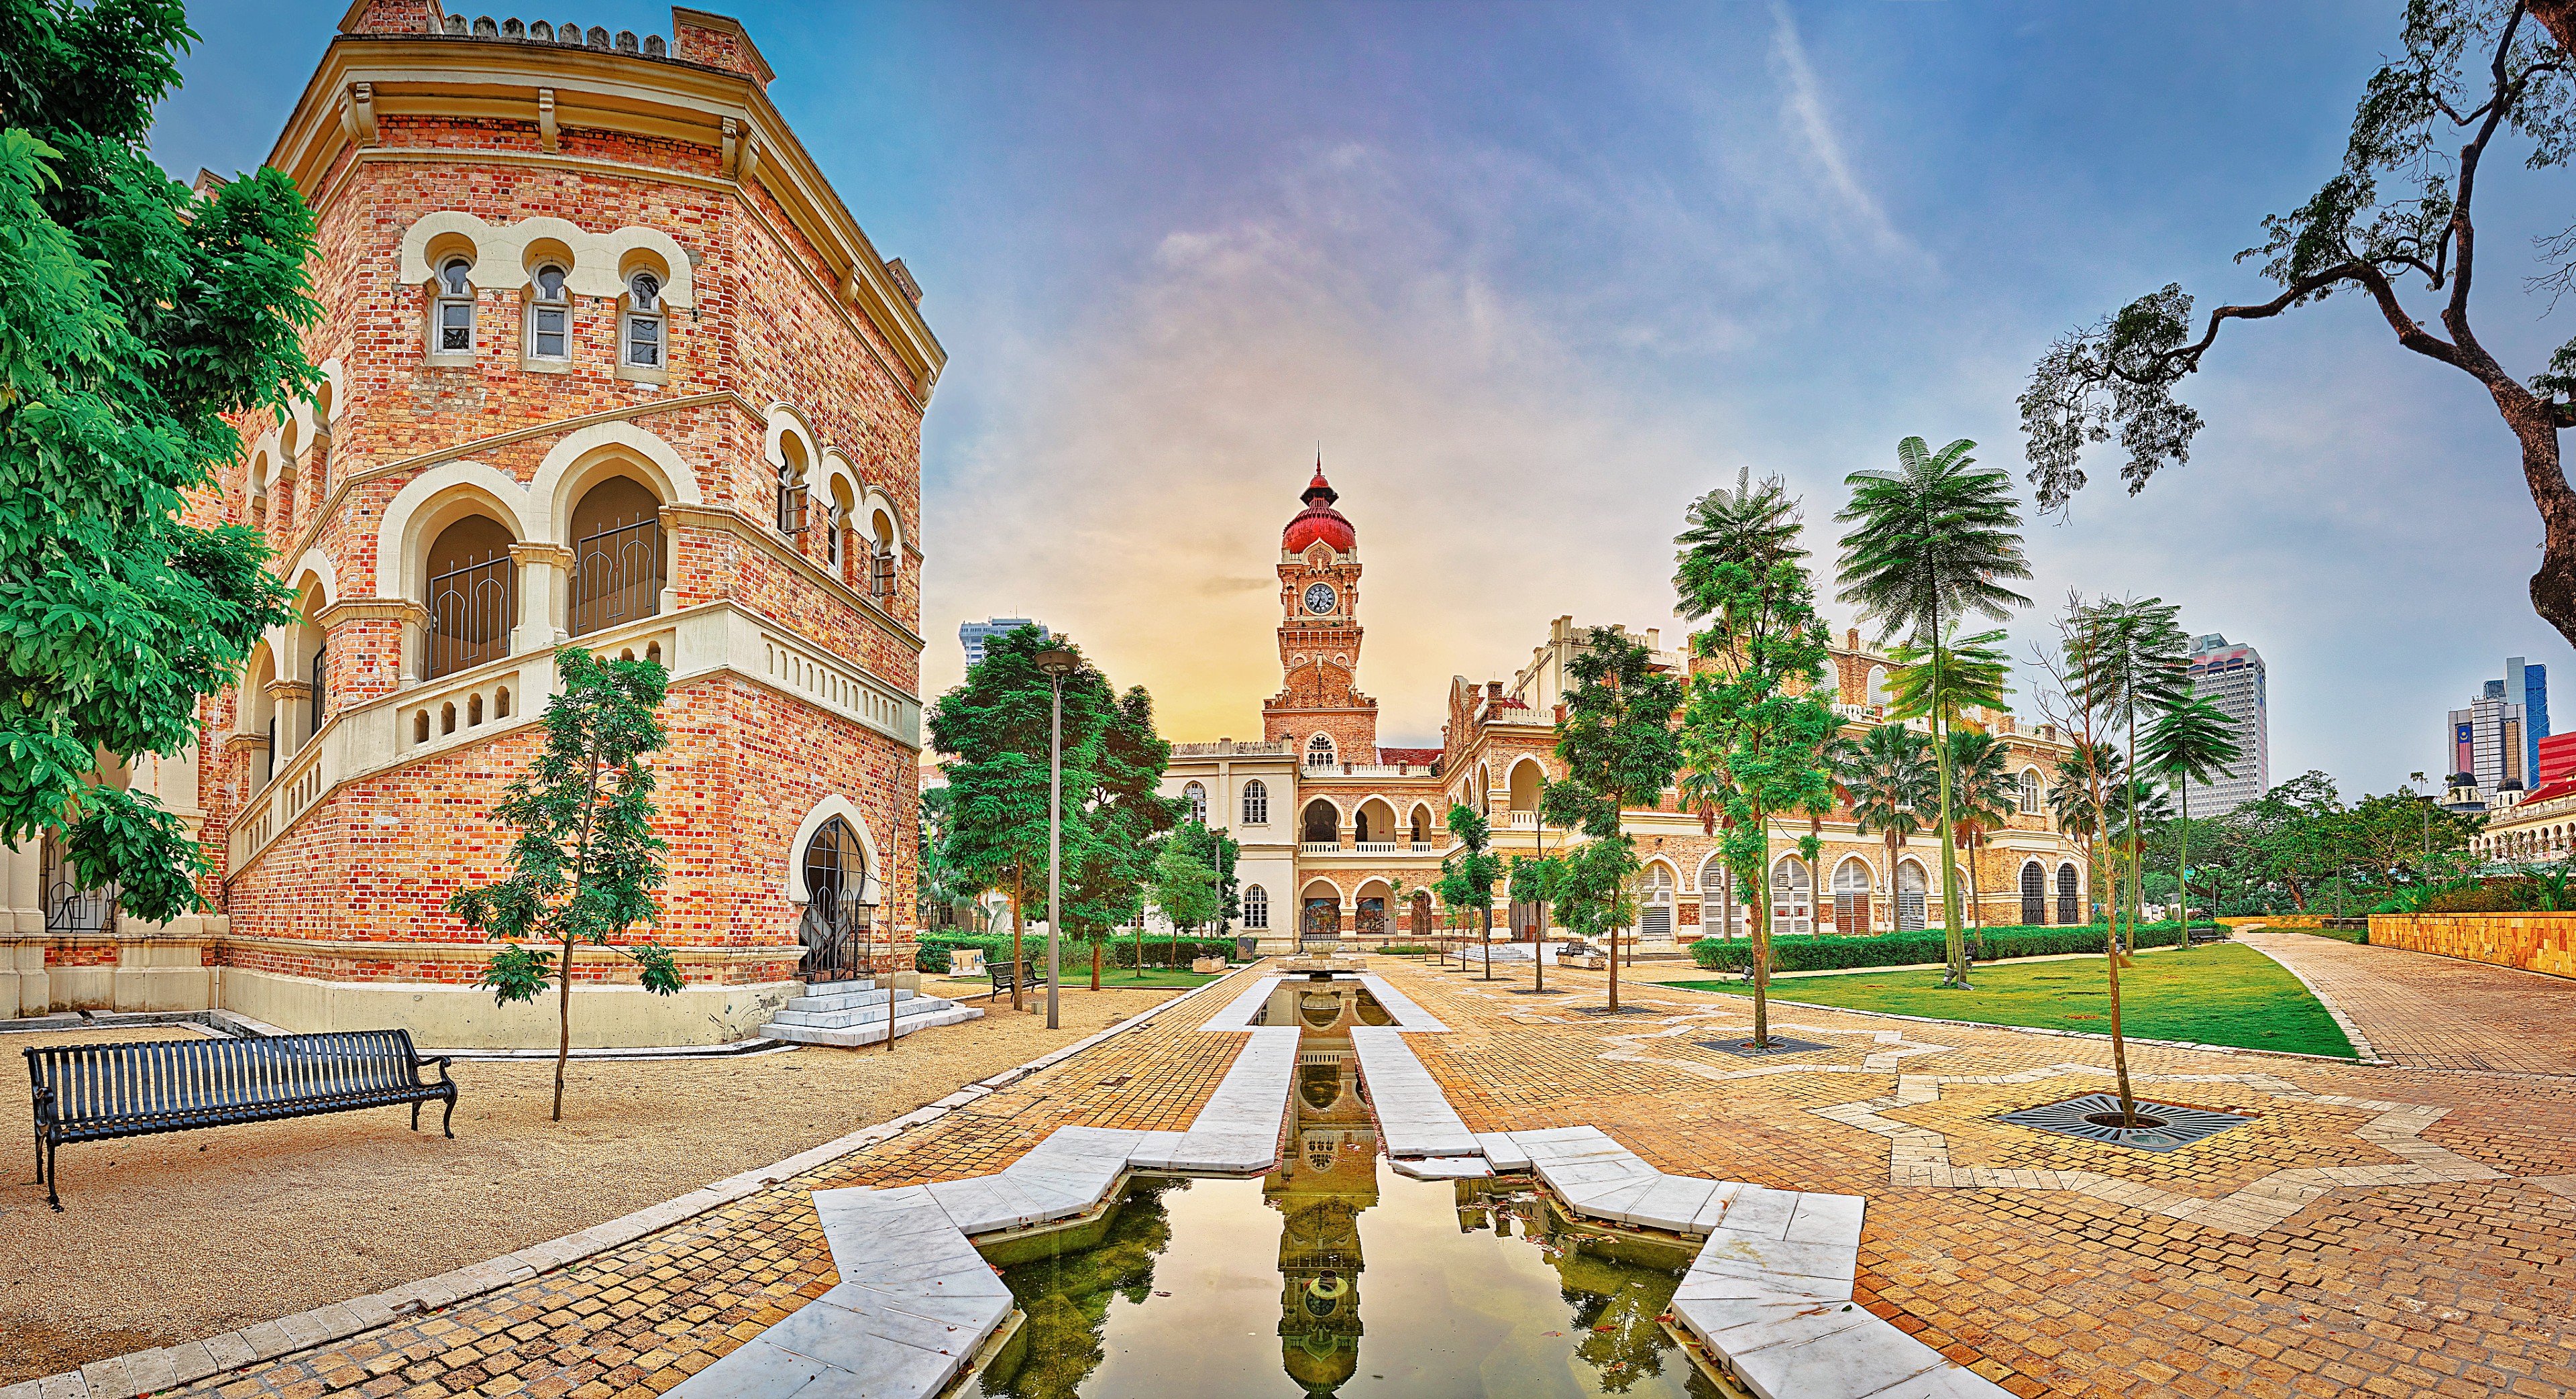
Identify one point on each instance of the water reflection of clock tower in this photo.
(1319, 707)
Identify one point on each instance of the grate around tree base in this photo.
(1747, 1049)
(2095, 1118)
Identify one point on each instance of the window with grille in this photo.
(2034, 894)
(1196, 796)
(1256, 803)
(1256, 907)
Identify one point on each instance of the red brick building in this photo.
(606, 361)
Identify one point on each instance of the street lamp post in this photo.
(1057, 662)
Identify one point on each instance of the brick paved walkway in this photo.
(2431, 1012)
(2454, 1287)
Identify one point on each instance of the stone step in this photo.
(870, 1031)
(847, 1016)
(845, 1000)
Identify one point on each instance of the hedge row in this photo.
(1831, 953)
(1161, 950)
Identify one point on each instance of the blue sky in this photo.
(1537, 275)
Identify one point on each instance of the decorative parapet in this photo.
(503, 696)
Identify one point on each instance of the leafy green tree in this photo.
(2137, 665)
(2399, 207)
(1985, 796)
(1757, 718)
(133, 316)
(1930, 544)
(996, 729)
(1533, 881)
(1889, 778)
(1468, 875)
(2190, 742)
(1185, 889)
(586, 861)
(1618, 748)
(1112, 822)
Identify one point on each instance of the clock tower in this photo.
(1319, 709)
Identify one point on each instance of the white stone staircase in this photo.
(847, 1013)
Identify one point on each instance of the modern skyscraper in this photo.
(2496, 740)
(2529, 684)
(973, 635)
(2230, 678)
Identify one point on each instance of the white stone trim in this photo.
(599, 260)
(834, 804)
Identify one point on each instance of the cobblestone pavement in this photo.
(2442, 1285)
(2431, 1012)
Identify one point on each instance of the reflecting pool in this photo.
(1245, 1288)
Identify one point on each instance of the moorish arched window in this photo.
(1196, 795)
(1319, 751)
(1256, 906)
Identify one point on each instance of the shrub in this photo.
(2508, 895)
(1161, 950)
(1827, 952)
(1406, 949)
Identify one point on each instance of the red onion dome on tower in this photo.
(1319, 520)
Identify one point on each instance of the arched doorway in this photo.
(2070, 911)
(473, 595)
(616, 555)
(1655, 905)
(835, 926)
(1319, 915)
(1792, 899)
(2034, 895)
(1909, 897)
(1323, 824)
(1851, 897)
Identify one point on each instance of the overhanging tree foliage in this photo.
(132, 317)
(586, 862)
(2399, 212)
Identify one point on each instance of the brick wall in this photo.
(2535, 942)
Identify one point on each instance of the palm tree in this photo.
(1987, 797)
(2190, 743)
(1939, 684)
(1933, 539)
(1888, 785)
(2136, 665)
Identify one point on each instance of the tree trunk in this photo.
(1019, 890)
(2559, 18)
(1095, 962)
(2182, 857)
(563, 1016)
(1761, 912)
(1976, 900)
(1954, 948)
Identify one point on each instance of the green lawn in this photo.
(2354, 935)
(2208, 995)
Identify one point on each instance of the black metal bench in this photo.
(2213, 934)
(1006, 975)
(98, 1092)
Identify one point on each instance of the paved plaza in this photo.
(2429, 1012)
(2388, 1230)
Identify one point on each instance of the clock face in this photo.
(1319, 599)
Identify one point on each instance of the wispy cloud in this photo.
(1802, 108)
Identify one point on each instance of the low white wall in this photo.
(463, 1017)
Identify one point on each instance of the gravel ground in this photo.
(169, 1238)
